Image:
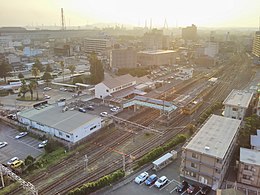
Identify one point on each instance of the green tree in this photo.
(23, 88)
(35, 73)
(48, 68)
(37, 64)
(47, 77)
(96, 69)
(62, 68)
(5, 69)
(20, 75)
(32, 86)
(72, 68)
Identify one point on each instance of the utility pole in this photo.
(123, 162)
(86, 163)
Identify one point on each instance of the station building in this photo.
(70, 125)
(237, 103)
(207, 155)
(249, 167)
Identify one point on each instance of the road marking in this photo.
(166, 184)
(174, 189)
(183, 192)
(141, 183)
(26, 144)
(151, 186)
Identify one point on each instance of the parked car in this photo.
(151, 180)
(104, 114)
(90, 107)
(205, 190)
(11, 116)
(22, 134)
(61, 100)
(161, 182)
(3, 144)
(46, 89)
(43, 144)
(181, 188)
(47, 97)
(115, 109)
(12, 160)
(16, 163)
(63, 89)
(82, 110)
(141, 178)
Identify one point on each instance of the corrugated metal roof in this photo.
(255, 140)
(118, 81)
(250, 156)
(165, 157)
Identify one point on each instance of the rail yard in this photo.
(130, 138)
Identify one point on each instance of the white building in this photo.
(71, 126)
(236, 104)
(96, 45)
(211, 49)
(112, 85)
(12, 58)
(207, 155)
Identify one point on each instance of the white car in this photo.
(43, 143)
(115, 109)
(3, 144)
(104, 114)
(161, 181)
(47, 97)
(22, 134)
(46, 89)
(63, 89)
(141, 178)
(12, 160)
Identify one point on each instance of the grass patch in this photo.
(9, 188)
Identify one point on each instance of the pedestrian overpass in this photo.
(162, 105)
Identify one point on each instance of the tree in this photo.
(35, 73)
(72, 68)
(96, 69)
(5, 69)
(20, 75)
(38, 65)
(47, 77)
(23, 88)
(48, 68)
(32, 86)
(62, 68)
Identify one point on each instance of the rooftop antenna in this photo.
(62, 20)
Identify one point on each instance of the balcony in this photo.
(246, 181)
(247, 172)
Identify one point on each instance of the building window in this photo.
(107, 90)
(234, 109)
(193, 165)
(92, 128)
(60, 133)
(192, 174)
(67, 136)
(246, 167)
(194, 155)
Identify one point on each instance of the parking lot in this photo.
(20, 148)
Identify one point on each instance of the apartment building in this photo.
(249, 167)
(123, 58)
(237, 103)
(207, 155)
(256, 48)
(96, 45)
(156, 57)
(189, 33)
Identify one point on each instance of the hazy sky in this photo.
(212, 13)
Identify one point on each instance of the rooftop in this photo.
(250, 156)
(238, 98)
(157, 52)
(215, 136)
(52, 116)
(118, 81)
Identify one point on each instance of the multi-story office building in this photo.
(249, 167)
(123, 58)
(206, 157)
(237, 103)
(156, 57)
(155, 39)
(256, 48)
(190, 33)
(96, 45)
